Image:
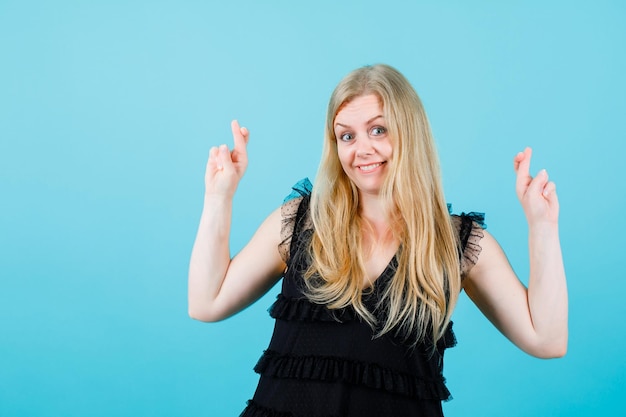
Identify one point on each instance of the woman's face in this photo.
(363, 145)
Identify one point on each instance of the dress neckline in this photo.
(383, 278)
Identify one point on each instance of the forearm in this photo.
(210, 256)
(547, 288)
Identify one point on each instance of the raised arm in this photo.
(534, 318)
(218, 285)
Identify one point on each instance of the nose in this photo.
(364, 147)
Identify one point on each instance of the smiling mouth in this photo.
(370, 167)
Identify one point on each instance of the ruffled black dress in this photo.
(326, 363)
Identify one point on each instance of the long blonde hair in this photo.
(421, 295)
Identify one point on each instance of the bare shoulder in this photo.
(491, 256)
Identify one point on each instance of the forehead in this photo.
(359, 109)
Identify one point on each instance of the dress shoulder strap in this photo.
(469, 228)
(295, 215)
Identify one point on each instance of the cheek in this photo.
(345, 161)
(344, 155)
(388, 148)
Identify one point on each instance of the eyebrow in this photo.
(368, 122)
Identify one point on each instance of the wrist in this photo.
(216, 201)
(543, 229)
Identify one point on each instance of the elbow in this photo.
(209, 310)
(556, 349)
(197, 316)
(203, 309)
(202, 315)
(553, 353)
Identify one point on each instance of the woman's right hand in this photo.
(225, 168)
(221, 285)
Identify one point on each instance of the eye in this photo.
(346, 137)
(378, 130)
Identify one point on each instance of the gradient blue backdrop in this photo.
(107, 113)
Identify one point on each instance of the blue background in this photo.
(107, 113)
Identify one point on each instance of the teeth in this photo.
(369, 167)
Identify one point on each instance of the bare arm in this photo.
(534, 318)
(218, 285)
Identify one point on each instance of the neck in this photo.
(376, 220)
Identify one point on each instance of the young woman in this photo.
(372, 264)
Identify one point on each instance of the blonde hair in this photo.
(421, 295)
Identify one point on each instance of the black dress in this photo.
(326, 363)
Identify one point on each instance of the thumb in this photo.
(538, 184)
(549, 193)
(224, 161)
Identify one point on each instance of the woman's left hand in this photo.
(538, 194)
(534, 318)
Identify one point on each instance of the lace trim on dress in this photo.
(301, 309)
(448, 340)
(470, 231)
(289, 212)
(256, 410)
(333, 369)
